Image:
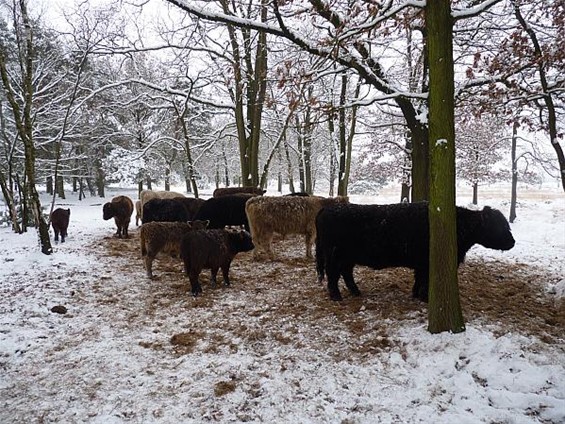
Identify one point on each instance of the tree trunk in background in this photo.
(513, 195)
(444, 309)
(342, 134)
(475, 193)
(300, 140)
(81, 194)
(168, 178)
(100, 179)
(344, 180)
(256, 100)
(60, 185)
(8, 193)
(23, 119)
(406, 173)
(546, 93)
(49, 185)
(333, 149)
(91, 187)
(289, 167)
(251, 74)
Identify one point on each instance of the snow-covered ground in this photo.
(131, 350)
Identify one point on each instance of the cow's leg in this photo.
(309, 241)
(332, 273)
(269, 244)
(149, 264)
(421, 284)
(56, 235)
(194, 283)
(259, 242)
(214, 275)
(226, 274)
(63, 235)
(347, 273)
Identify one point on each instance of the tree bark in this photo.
(444, 310)
(514, 191)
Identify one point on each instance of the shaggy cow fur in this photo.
(191, 205)
(225, 210)
(212, 249)
(285, 215)
(156, 237)
(397, 235)
(121, 209)
(165, 210)
(60, 223)
(229, 191)
(146, 195)
(298, 193)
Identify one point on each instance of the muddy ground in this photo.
(276, 295)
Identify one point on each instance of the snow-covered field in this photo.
(272, 347)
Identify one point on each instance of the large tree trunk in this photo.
(444, 309)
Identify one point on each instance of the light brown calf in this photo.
(284, 215)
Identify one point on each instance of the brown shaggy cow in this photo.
(212, 249)
(285, 215)
(60, 222)
(146, 195)
(230, 191)
(121, 209)
(164, 237)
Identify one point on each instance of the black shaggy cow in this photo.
(212, 249)
(191, 204)
(60, 222)
(397, 235)
(230, 191)
(225, 210)
(164, 210)
(121, 209)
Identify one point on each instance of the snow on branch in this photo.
(473, 11)
(226, 19)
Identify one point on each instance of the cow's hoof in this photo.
(336, 297)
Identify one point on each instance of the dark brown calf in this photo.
(60, 222)
(121, 209)
(212, 249)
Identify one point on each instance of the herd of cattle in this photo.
(208, 234)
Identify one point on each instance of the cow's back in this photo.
(378, 236)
